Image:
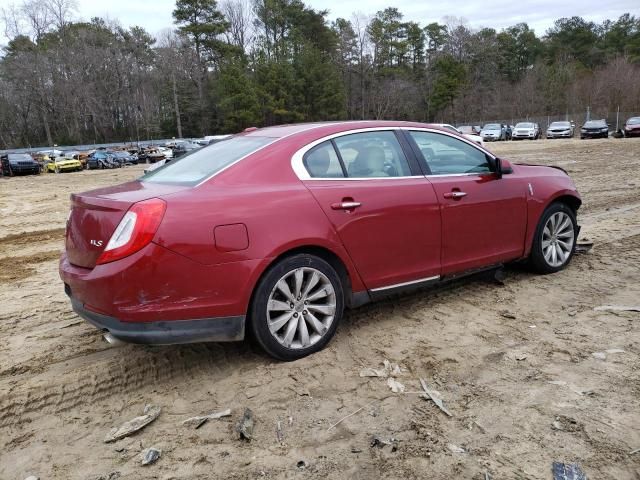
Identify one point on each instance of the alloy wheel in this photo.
(558, 237)
(301, 308)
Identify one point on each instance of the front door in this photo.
(387, 218)
(483, 216)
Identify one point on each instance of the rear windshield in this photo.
(633, 121)
(595, 123)
(560, 124)
(203, 163)
(524, 125)
(492, 126)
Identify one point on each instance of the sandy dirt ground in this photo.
(513, 363)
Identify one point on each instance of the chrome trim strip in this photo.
(405, 284)
(301, 172)
(347, 179)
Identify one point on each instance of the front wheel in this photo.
(555, 239)
(297, 307)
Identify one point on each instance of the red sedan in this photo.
(278, 230)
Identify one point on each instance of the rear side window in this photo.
(372, 155)
(445, 155)
(322, 162)
(203, 163)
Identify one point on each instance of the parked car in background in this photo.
(526, 130)
(82, 157)
(124, 158)
(166, 151)
(184, 147)
(209, 139)
(595, 129)
(18, 164)
(63, 164)
(473, 138)
(101, 159)
(632, 127)
(493, 132)
(298, 222)
(560, 130)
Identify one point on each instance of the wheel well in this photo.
(571, 201)
(325, 254)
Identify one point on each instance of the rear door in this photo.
(383, 209)
(483, 217)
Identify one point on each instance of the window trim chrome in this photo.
(301, 172)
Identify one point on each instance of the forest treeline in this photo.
(226, 66)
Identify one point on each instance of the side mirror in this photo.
(502, 167)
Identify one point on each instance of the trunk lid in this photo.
(95, 215)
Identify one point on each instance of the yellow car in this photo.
(63, 164)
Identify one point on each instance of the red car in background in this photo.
(278, 230)
(632, 127)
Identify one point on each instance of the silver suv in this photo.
(524, 130)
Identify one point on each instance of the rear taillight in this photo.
(135, 230)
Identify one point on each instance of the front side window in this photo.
(445, 155)
(375, 154)
(201, 164)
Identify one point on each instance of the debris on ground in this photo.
(584, 246)
(379, 442)
(279, 432)
(617, 308)
(633, 452)
(433, 395)
(507, 314)
(567, 471)
(603, 355)
(302, 464)
(356, 450)
(151, 412)
(395, 386)
(150, 456)
(521, 357)
(197, 422)
(455, 449)
(32, 477)
(108, 476)
(245, 425)
(389, 370)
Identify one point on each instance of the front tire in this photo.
(555, 238)
(297, 307)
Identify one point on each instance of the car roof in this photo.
(328, 128)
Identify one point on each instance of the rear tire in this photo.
(297, 307)
(554, 241)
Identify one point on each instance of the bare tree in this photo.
(240, 15)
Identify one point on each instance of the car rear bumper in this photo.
(221, 329)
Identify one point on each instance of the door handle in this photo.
(344, 205)
(455, 195)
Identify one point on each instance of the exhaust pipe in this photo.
(112, 340)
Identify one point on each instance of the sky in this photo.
(155, 15)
